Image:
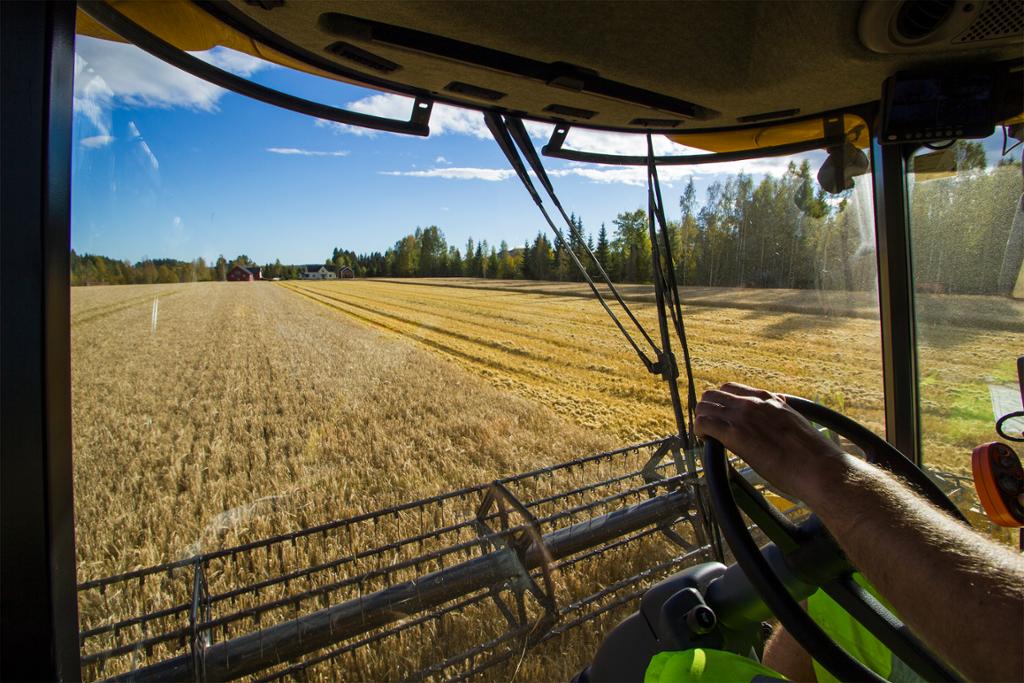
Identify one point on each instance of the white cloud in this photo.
(621, 144)
(96, 141)
(627, 175)
(623, 175)
(146, 151)
(637, 175)
(489, 174)
(92, 96)
(109, 74)
(446, 120)
(175, 236)
(135, 78)
(306, 152)
(237, 63)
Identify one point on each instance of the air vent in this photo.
(656, 123)
(570, 111)
(475, 91)
(918, 19)
(909, 26)
(362, 57)
(999, 19)
(768, 116)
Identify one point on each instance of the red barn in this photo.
(245, 274)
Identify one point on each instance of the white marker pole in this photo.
(156, 313)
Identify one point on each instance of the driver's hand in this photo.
(770, 436)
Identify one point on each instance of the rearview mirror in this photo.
(843, 163)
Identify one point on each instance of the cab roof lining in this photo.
(736, 59)
(699, 68)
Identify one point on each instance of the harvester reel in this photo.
(671, 447)
(499, 504)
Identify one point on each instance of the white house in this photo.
(317, 273)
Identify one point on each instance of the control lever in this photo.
(998, 475)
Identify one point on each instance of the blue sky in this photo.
(165, 165)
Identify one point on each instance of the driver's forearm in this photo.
(960, 592)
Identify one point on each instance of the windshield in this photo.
(278, 323)
(966, 228)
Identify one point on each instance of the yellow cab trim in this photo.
(739, 140)
(187, 27)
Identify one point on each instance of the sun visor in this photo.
(187, 27)
(739, 140)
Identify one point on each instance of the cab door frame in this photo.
(37, 558)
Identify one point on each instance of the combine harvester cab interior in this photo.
(470, 583)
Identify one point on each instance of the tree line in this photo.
(780, 232)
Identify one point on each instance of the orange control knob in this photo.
(999, 480)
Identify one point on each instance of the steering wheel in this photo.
(723, 483)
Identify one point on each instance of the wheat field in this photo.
(234, 411)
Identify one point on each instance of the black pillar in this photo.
(39, 610)
(896, 299)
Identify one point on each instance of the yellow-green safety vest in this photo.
(717, 666)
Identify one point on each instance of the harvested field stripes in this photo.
(550, 345)
(563, 352)
(532, 318)
(604, 401)
(444, 312)
(561, 319)
(401, 325)
(590, 397)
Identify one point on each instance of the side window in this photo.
(968, 241)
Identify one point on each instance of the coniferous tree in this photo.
(526, 264)
(467, 263)
(478, 260)
(603, 251)
(541, 258)
(493, 263)
(454, 266)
